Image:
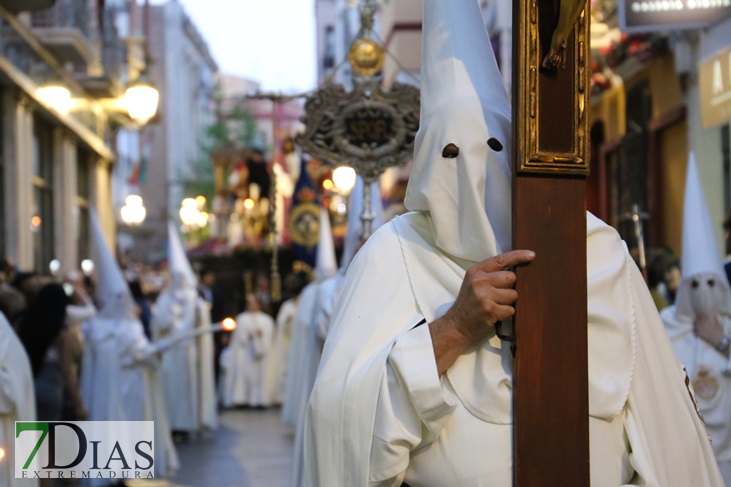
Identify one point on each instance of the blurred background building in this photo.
(65, 95)
(169, 153)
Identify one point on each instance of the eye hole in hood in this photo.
(450, 151)
(495, 144)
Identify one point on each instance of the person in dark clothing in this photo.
(259, 173)
(207, 290)
(143, 304)
(39, 329)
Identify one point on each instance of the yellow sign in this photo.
(715, 88)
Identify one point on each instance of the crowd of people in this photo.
(104, 345)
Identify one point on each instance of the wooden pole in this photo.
(551, 414)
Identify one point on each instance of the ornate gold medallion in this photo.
(705, 384)
(304, 224)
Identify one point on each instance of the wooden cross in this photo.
(550, 127)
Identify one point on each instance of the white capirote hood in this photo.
(181, 271)
(113, 296)
(704, 288)
(463, 102)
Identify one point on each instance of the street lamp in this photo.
(133, 212)
(189, 212)
(139, 102)
(344, 179)
(141, 99)
(193, 216)
(57, 96)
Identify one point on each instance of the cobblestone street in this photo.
(250, 449)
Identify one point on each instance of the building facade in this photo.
(57, 146)
(171, 146)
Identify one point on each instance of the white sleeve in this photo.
(668, 442)
(78, 314)
(413, 407)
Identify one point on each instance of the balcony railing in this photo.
(66, 30)
(72, 14)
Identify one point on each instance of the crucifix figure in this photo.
(569, 12)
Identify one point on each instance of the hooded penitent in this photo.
(703, 292)
(354, 234)
(379, 412)
(461, 173)
(113, 296)
(118, 377)
(181, 271)
(704, 289)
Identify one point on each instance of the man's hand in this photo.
(486, 297)
(708, 329)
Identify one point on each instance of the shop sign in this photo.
(715, 89)
(665, 15)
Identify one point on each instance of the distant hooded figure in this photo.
(699, 324)
(119, 374)
(186, 373)
(245, 357)
(414, 384)
(327, 293)
(305, 351)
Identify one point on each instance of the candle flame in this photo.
(229, 324)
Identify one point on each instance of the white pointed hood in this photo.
(181, 272)
(326, 264)
(353, 237)
(704, 289)
(113, 296)
(463, 102)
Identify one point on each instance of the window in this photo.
(83, 193)
(328, 61)
(41, 223)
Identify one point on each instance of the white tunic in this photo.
(207, 404)
(302, 359)
(276, 366)
(326, 301)
(710, 375)
(119, 382)
(380, 415)
(314, 335)
(247, 351)
(17, 401)
(175, 312)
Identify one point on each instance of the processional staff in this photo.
(550, 98)
(636, 218)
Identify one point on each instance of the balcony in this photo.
(16, 6)
(64, 30)
(106, 80)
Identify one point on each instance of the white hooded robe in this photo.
(380, 415)
(17, 400)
